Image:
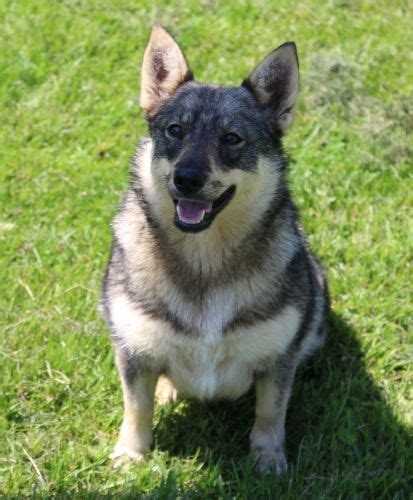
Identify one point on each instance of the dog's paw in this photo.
(123, 456)
(270, 462)
(165, 391)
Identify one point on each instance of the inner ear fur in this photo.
(164, 69)
(275, 83)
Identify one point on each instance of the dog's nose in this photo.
(189, 181)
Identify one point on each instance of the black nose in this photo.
(189, 181)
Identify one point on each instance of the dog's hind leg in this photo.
(268, 434)
(165, 391)
(138, 387)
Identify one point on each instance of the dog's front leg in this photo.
(268, 435)
(138, 387)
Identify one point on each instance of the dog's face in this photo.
(212, 145)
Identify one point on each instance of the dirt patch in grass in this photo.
(334, 90)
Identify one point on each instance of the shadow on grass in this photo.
(341, 434)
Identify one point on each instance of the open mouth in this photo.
(194, 216)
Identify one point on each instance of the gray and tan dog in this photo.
(211, 285)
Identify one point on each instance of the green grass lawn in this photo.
(69, 122)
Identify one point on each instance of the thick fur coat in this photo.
(211, 285)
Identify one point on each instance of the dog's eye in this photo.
(175, 130)
(232, 139)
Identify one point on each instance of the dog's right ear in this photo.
(164, 69)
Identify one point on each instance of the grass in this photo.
(69, 114)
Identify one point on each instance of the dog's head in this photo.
(215, 144)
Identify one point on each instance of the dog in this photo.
(211, 287)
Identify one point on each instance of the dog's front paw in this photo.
(267, 445)
(123, 455)
(269, 462)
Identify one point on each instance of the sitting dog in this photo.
(211, 285)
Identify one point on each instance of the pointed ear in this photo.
(164, 68)
(274, 83)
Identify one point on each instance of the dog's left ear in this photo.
(274, 83)
(164, 69)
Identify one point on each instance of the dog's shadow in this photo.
(338, 421)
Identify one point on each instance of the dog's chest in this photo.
(226, 367)
(202, 366)
(205, 370)
(209, 317)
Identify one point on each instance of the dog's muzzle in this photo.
(195, 215)
(189, 181)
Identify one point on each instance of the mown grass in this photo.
(69, 75)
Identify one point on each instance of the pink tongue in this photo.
(192, 212)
